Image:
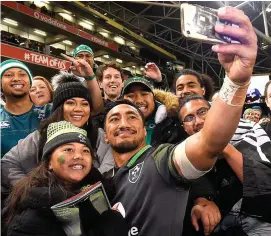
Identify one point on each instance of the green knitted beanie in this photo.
(11, 63)
(82, 48)
(63, 132)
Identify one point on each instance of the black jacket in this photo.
(36, 217)
(168, 129)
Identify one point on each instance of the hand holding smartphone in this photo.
(198, 22)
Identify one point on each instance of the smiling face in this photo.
(77, 111)
(142, 97)
(193, 115)
(188, 85)
(250, 116)
(85, 56)
(111, 83)
(257, 115)
(71, 162)
(124, 128)
(15, 82)
(39, 93)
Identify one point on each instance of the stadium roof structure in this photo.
(159, 22)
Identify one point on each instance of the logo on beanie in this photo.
(82, 138)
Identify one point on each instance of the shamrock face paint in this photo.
(61, 159)
(71, 162)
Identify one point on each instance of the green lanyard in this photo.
(137, 155)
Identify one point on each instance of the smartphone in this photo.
(198, 22)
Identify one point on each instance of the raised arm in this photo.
(198, 153)
(83, 69)
(153, 74)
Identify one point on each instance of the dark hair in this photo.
(208, 85)
(38, 177)
(265, 89)
(111, 105)
(189, 98)
(102, 68)
(189, 72)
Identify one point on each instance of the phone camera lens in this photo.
(188, 32)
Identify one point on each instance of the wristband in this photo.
(90, 78)
(233, 94)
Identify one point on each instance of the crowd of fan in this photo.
(176, 162)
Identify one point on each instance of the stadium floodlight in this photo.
(118, 60)
(40, 32)
(119, 40)
(11, 22)
(68, 42)
(104, 34)
(86, 25)
(88, 22)
(134, 66)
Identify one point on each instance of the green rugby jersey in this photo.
(16, 127)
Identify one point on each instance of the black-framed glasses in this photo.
(191, 119)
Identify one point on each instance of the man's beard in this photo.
(17, 96)
(125, 147)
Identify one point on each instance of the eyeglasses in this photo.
(191, 119)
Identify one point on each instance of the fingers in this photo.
(209, 216)
(194, 222)
(68, 58)
(244, 32)
(76, 63)
(232, 31)
(150, 65)
(235, 16)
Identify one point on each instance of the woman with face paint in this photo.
(72, 103)
(65, 169)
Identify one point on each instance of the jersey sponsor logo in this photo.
(4, 124)
(134, 173)
(41, 112)
(133, 231)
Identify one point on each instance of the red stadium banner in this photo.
(33, 57)
(49, 20)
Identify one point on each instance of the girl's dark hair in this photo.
(38, 177)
